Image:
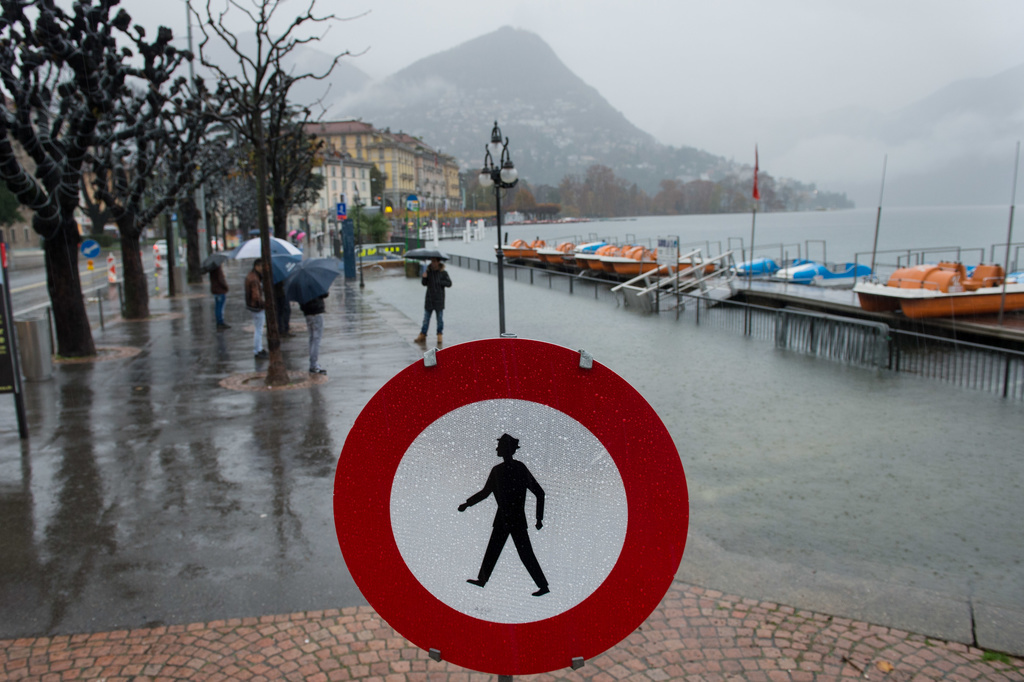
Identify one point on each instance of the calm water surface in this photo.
(792, 462)
(846, 234)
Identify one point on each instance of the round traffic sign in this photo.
(448, 462)
(90, 248)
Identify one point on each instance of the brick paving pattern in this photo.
(694, 634)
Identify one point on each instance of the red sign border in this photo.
(624, 423)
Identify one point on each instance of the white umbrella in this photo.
(252, 249)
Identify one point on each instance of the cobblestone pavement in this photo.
(694, 634)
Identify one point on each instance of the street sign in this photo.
(412, 203)
(423, 511)
(342, 210)
(90, 248)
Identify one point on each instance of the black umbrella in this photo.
(214, 260)
(311, 279)
(425, 254)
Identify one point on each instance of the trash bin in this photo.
(36, 351)
(412, 268)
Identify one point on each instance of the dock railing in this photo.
(860, 343)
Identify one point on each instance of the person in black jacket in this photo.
(314, 312)
(435, 278)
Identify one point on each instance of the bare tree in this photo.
(260, 84)
(151, 143)
(61, 72)
(291, 157)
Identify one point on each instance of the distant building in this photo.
(346, 180)
(408, 165)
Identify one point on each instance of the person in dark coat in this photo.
(435, 278)
(219, 289)
(284, 310)
(254, 304)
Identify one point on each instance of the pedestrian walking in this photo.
(219, 289)
(313, 309)
(435, 278)
(254, 304)
(509, 483)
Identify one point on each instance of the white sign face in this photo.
(668, 250)
(584, 520)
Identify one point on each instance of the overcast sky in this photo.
(701, 73)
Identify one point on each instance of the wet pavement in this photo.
(159, 524)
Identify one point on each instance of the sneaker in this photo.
(317, 370)
(262, 354)
(223, 325)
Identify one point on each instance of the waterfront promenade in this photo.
(160, 524)
(694, 634)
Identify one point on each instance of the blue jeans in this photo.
(258, 318)
(426, 321)
(219, 300)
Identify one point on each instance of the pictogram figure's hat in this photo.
(509, 442)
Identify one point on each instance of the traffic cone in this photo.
(111, 269)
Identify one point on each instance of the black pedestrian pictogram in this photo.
(509, 482)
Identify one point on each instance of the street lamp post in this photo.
(502, 175)
(359, 238)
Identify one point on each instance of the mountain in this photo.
(955, 146)
(556, 123)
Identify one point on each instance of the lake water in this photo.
(846, 234)
(858, 492)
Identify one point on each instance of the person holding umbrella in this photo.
(435, 278)
(308, 283)
(313, 309)
(218, 285)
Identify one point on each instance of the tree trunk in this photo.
(189, 214)
(70, 320)
(280, 212)
(136, 288)
(277, 372)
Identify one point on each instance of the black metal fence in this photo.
(856, 342)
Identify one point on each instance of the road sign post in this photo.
(430, 486)
(10, 364)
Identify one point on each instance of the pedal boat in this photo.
(942, 290)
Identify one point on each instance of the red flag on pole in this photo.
(757, 193)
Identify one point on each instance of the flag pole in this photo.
(1009, 234)
(878, 217)
(756, 194)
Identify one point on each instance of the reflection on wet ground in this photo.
(150, 495)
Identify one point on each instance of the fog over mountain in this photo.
(557, 124)
(953, 147)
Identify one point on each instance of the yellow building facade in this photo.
(409, 166)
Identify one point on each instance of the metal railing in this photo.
(855, 342)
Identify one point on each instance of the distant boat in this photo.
(823, 275)
(632, 261)
(759, 267)
(557, 255)
(943, 290)
(521, 249)
(588, 256)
